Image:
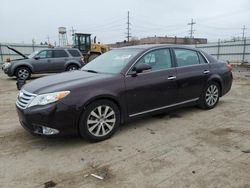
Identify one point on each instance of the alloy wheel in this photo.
(101, 121)
(212, 95)
(23, 73)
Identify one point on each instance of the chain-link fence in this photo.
(232, 51)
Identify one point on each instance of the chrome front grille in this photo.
(24, 98)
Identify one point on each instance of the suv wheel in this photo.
(99, 121)
(72, 68)
(23, 73)
(210, 96)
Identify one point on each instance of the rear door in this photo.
(152, 90)
(192, 73)
(76, 55)
(58, 60)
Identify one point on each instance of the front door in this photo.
(40, 62)
(152, 90)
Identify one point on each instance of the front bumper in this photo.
(7, 70)
(57, 116)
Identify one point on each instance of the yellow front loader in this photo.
(90, 51)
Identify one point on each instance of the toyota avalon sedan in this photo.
(119, 86)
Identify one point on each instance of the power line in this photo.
(243, 32)
(104, 25)
(191, 31)
(128, 28)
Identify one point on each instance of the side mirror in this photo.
(36, 57)
(141, 68)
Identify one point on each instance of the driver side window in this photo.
(44, 54)
(157, 59)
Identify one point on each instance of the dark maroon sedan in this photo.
(121, 85)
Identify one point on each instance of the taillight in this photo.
(82, 59)
(229, 66)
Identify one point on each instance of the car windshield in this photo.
(111, 62)
(33, 54)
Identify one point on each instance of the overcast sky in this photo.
(22, 20)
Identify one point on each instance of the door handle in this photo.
(171, 77)
(206, 71)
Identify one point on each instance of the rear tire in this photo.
(23, 73)
(72, 68)
(210, 96)
(99, 121)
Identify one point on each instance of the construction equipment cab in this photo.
(82, 41)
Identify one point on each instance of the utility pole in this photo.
(48, 39)
(73, 32)
(128, 28)
(191, 31)
(244, 42)
(33, 44)
(243, 32)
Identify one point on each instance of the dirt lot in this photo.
(185, 148)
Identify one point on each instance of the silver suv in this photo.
(51, 60)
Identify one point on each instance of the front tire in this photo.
(23, 73)
(99, 121)
(210, 96)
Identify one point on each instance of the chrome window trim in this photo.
(158, 48)
(163, 107)
(207, 62)
(204, 57)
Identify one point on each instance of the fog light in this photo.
(49, 131)
(39, 129)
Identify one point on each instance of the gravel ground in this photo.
(189, 147)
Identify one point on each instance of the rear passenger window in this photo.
(186, 57)
(74, 53)
(60, 53)
(157, 59)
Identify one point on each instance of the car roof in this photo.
(60, 48)
(152, 46)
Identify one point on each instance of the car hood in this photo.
(63, 81)
(20, 61)
(19, 53)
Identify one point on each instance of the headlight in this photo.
(6, 65)
(48, 98)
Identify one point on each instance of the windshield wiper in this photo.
(93, 71)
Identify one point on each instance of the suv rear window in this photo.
(74, 53)
(60, 53)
